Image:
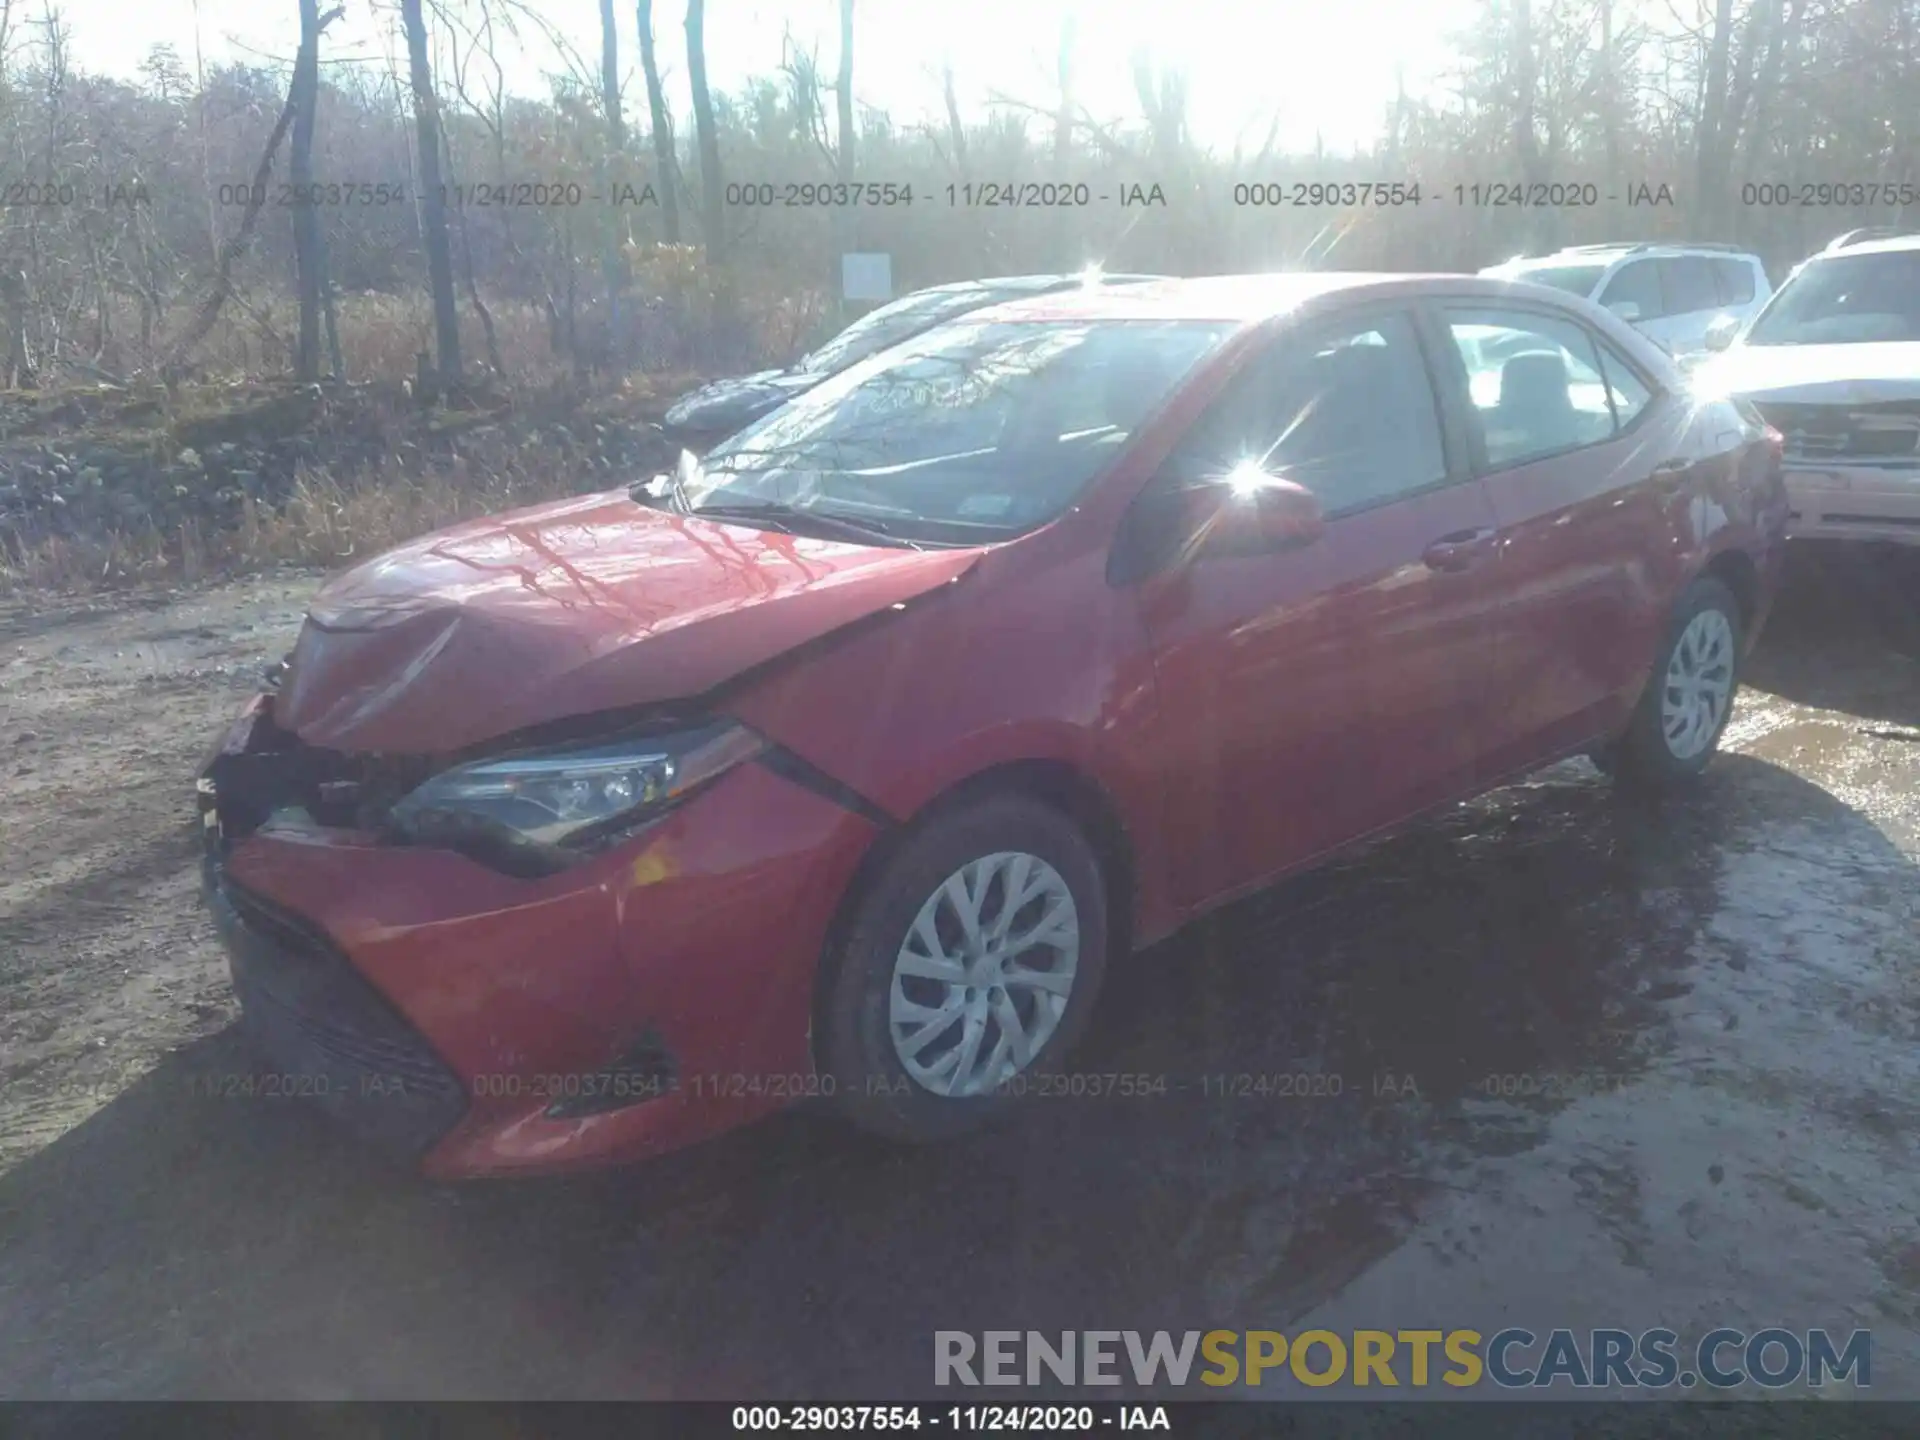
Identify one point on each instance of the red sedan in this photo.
(838, 764)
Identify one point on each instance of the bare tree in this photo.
(1063, 114)
(705, 135)
(956, 130)
(309, 278)
(1713, 123)
(662, 128)
(1526, 133)
(844, 90)
(222, 288)
(612, 262)
(433, 199)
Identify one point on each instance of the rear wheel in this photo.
(969, 969)
(1677, 726)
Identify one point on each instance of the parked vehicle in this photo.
(1864, 232)
(1670, 293)
(711, 413)
(1833, 363)
(839, 765)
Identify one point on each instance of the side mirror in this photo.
(1627, 310)
(1721, 330)
(1250, 513)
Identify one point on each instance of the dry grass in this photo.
(382, 335)
(323, 522)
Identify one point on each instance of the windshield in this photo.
(970, 433)
(1574, 279)
(1845, 300)
(889, 325)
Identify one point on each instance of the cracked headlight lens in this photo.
(567, 796)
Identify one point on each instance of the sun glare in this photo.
(1249, 476)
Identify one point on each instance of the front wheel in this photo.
(969, 969)
(1677, 726)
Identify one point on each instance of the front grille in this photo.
(318, 1021)
(1886, 432)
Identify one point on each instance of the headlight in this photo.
(568, 798)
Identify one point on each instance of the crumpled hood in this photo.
(1816, 374)
(595, 603)
(729, 405)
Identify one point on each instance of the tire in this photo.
(1669, 741)
(869, 1001)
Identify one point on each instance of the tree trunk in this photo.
(203, 319)
(1063, 226)
(1609, 96)
(433, 200)
(662, 127)
(845, 237)
(1708, 188)
(308, 280)
(707, 138)
(956, 130)
(845, 91)
(612, 266)
(1767, 85)
(1526, 136)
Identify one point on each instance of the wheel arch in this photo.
(1058, 783)
(1737, 571)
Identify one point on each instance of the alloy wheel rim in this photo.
(984, 974)
(1699, 685)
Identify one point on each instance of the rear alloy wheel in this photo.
(1681, 716)
(969, 969)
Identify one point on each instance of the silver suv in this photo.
(1671, 293)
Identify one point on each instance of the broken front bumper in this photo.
(486, 1023)
(1840, 501)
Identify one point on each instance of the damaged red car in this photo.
(838, 765)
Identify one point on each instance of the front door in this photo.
(1312, 696)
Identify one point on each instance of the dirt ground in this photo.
(1642, 1067)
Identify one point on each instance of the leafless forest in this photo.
(251, 312)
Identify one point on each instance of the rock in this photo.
(189, 457)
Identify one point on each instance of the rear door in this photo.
(1576, 449)
(1317, 695)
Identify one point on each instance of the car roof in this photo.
(1607, 254)
(1031, 284)
(1884, 246)
(1247, 298)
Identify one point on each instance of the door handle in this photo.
(1461, 550)
(1669, 475)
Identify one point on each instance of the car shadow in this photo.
(1304, 1070)
(1845, 632)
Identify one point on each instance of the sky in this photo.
(1325, 69)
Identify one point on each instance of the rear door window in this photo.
(1534, 381)
(1629, 393)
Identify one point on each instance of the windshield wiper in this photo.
(784, 517)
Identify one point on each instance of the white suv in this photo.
(1670, 293)
(1833, 364)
